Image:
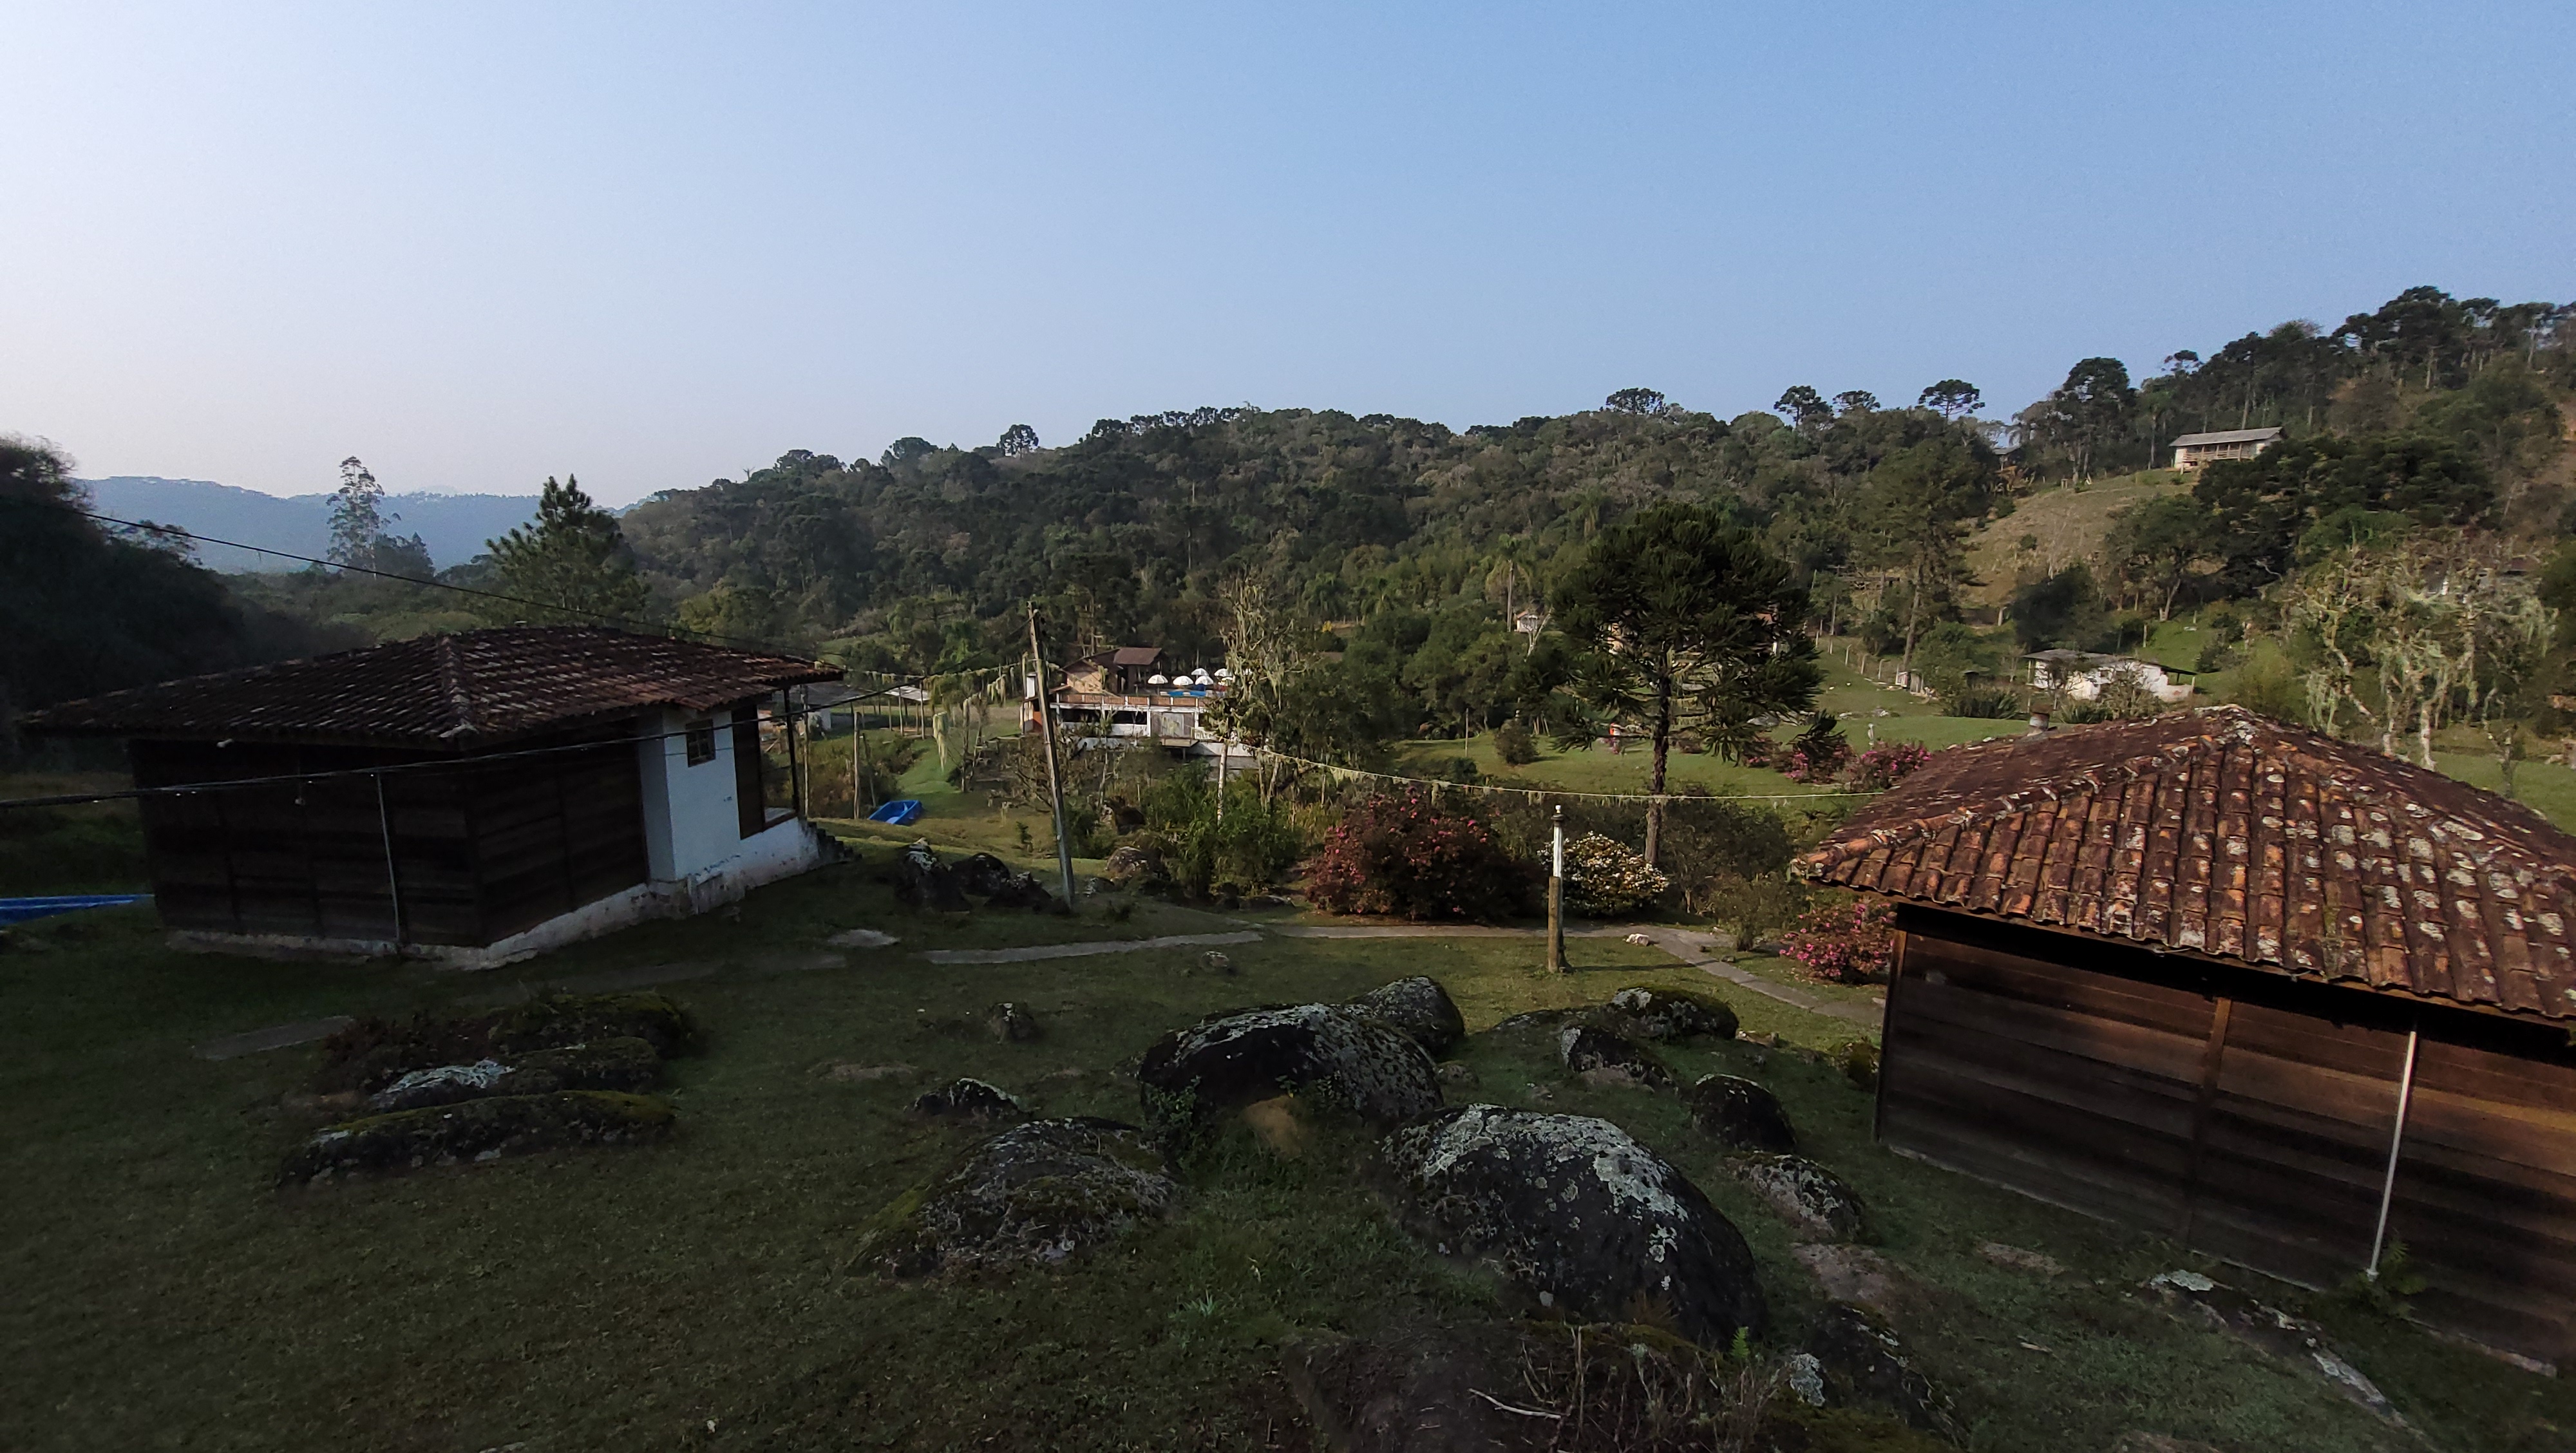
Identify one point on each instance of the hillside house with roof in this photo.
(2192, 451)
(2086, 675)
(2286, 999)
(469, 799)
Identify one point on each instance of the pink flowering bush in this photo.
(1401, 852)
(1883, 767)
(1845, 943)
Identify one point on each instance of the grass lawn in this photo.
(697, 1294)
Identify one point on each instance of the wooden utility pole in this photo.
(1055, 779)
(1556, 900)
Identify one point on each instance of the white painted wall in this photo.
(691, 824)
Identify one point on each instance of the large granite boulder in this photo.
(1739, 1114)
(1326, 1055)
(1133, 865)
(989, 878)
(1807, 1195)
(1864, 1364)
(477, 1130)
(1578, 1214)
(922, 881)
(1669, 1014)
(1030, 1196)
(1419, 1007)
(1601, 1057)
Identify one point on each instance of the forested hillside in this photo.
(1397, 552)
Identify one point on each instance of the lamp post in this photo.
(1556, 899)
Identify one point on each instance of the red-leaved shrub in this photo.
(1883, 767)
(1844, 943)
(1401, 852)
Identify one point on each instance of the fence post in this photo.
(1556, 899)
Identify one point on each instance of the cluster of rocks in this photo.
(554, 1072)
(1581, 1221)
(922, 881)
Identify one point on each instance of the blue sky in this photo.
(656, 244)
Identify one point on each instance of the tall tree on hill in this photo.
(1951, 398)
(358, 517)
(1685, 615)
(573, 562)
(1916, 506)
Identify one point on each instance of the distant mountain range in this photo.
(454, 526)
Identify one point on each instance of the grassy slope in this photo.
(2070, 521)
(161, 1293)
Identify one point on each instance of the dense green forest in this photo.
(1396, 553)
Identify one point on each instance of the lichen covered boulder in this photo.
(1599, 1056)
(1863, 1363)
(611, 1064)
(558, 1021)
(1739, 1114)
(989, 878)
(1327, 1056)
(968, 1099)
(1419, 1007)
(477, 1130)
(1133, 865)
(1579, 1215)
(1670, 1014)
(1030, 1196)
(1807, 1195)
(922, 881)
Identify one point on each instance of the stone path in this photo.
(278, 1036)
(1678, 943)
(1082, 950)
(606, 981)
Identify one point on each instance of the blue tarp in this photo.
(902, 813)
(19, 910)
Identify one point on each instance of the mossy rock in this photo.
(559, 1021)
(1329, 1056)
(1602, 1056)
(477, 1130)
(1670, 1014)
(1420, 1008)
(1030, 1196)
(373, 1052)
(1807, 1195)
(608, 1064)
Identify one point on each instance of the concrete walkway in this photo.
(1677, 942)
(1082, 950)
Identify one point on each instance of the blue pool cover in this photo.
(19, 910)
(902, 813)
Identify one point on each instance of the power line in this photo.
(652, 627)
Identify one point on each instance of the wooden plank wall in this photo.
(2486, 1186)
(2245, 1114)
(305, 860)
(556, 831)
(2077, 1088)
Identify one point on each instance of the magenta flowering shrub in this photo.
(1821, 763)
(1883, 767)
(1845, 943)
(1401, 852)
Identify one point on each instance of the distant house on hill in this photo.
(2085, 675)
(2191, 451)
(2285, 999)
(468, 799)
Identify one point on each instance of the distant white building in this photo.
(2085, 675)
(2191, 451)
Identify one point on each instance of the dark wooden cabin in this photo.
(2288, 1000)
(448, 791)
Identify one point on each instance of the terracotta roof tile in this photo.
(2222, 833)
(442, 693)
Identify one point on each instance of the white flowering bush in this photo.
(1604, 878)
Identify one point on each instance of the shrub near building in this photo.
(1403, 853)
